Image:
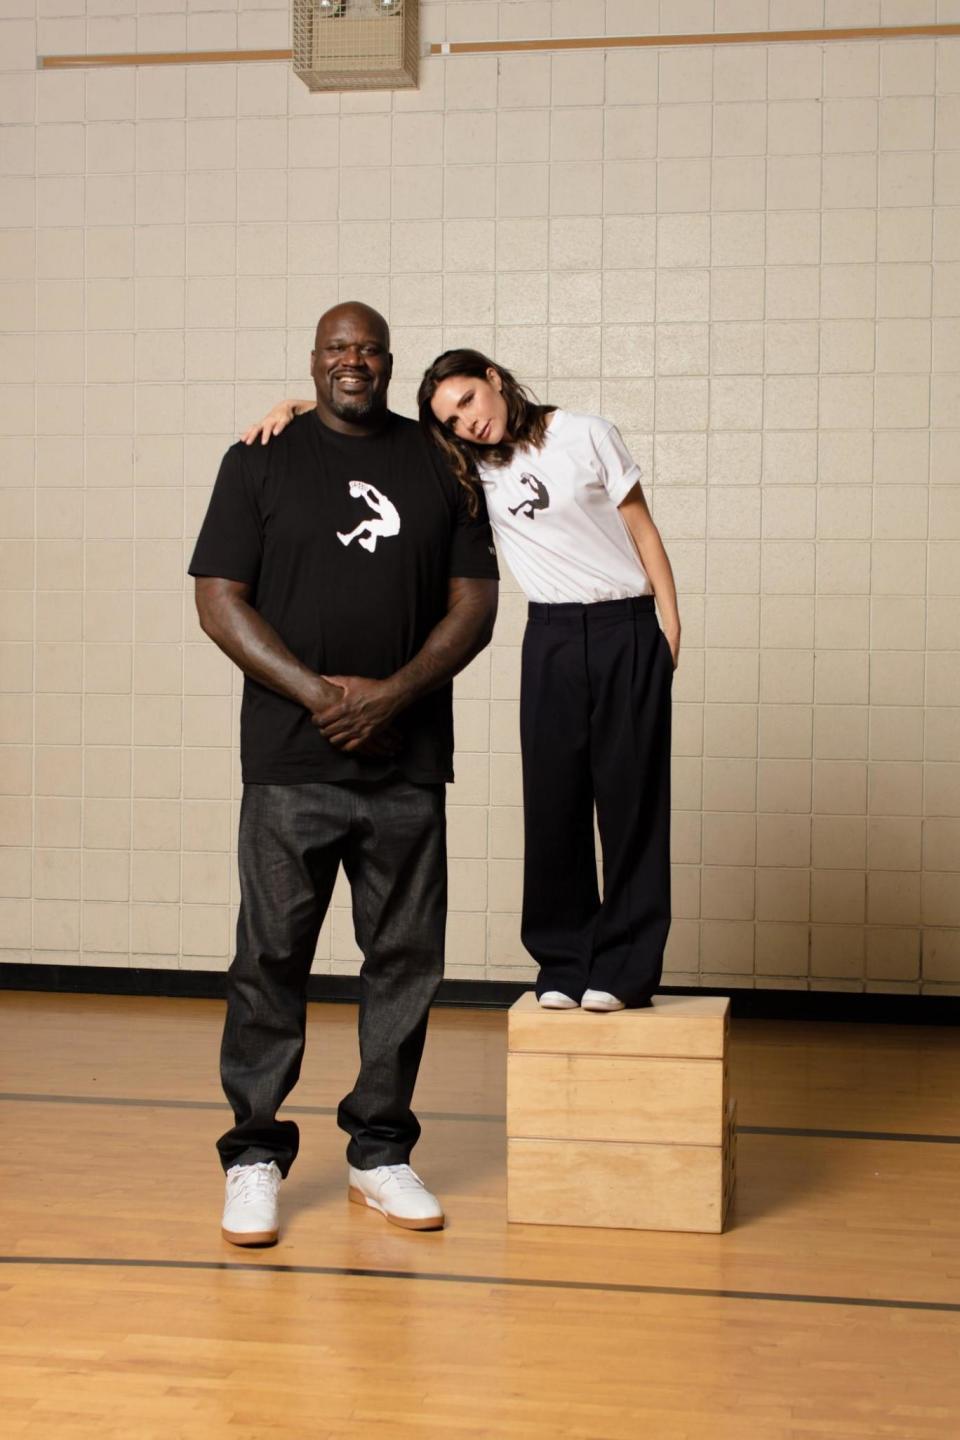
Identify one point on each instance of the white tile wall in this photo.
(749, 257)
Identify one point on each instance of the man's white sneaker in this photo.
(556, 1000)
(399, 1194)
(600, 1000)
(251, 1211)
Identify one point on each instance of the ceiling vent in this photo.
(356, 44)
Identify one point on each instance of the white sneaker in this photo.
(556, 1000)
(399, 1194)
(251, 1211)
(600, 1000)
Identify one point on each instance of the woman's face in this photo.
(473, 410)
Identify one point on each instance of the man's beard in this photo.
(357, 409)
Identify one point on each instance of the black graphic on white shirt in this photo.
(540, 499)
(368, 532)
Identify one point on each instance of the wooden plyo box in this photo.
(623, 1120)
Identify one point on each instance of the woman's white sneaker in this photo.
(251, 1210)
(399, 1194)
(600, 1000)
(556, 1000)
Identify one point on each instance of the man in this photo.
(346, 742)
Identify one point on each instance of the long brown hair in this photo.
(526, 418)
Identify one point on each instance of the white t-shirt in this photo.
(554, 513)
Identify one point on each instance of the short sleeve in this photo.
(472, 552)
(620, 471)
(230, 543)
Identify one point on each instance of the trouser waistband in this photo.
(599, 609)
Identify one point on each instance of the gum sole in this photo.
(254, 1237)
(357, 1197)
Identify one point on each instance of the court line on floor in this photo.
(810, 1133)
(149, 1104)
(796, 1131)
(493, 1281)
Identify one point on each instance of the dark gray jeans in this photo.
(391, 838)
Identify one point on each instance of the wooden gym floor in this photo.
(830, 1309)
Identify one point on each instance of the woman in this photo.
(565, 503)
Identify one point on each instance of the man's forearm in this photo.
(464, 631)
(255, 647)
(368, 705)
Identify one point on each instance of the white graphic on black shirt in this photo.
(539, 501)
(368, 532)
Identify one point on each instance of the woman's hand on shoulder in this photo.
(278, 419)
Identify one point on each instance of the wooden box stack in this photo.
(621, 1120)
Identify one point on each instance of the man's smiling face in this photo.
(351, 366)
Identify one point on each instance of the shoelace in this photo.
(254, 1181)
(402, 1178)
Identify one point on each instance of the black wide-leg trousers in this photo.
(391, 840)
(595, 731)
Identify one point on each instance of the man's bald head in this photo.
(351, 366)
(355, 309)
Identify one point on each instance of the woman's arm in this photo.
(655, 561)
(278, 419)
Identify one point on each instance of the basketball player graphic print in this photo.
(386, 521)
(539, 500)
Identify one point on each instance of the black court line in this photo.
(797, 1132)
(221, 1105)
(901, 1135)
(509, 1282)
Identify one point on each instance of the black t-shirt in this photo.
(349, 544)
